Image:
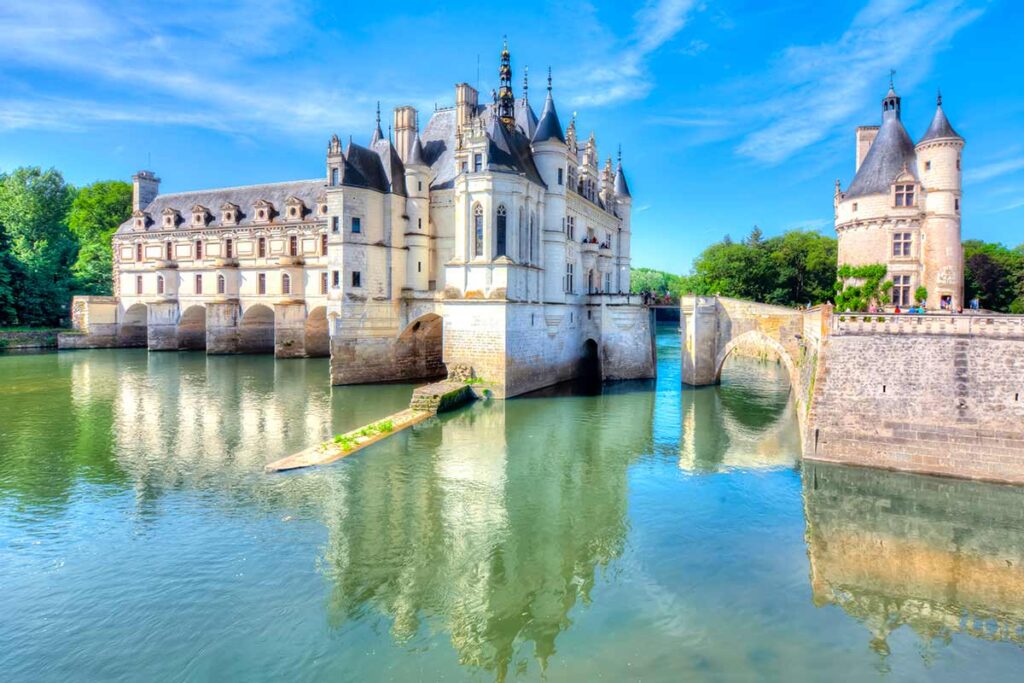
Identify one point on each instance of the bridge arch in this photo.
(318, 341)
(420, 346)
(133, 329)
(192, 328)
(256, 330)
(752, 337)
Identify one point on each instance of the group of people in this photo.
(653, 298)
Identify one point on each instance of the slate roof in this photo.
(525, 118)
(890, 153)
(621, 187)
(416, 153)
(245, 196)
(394, 170)
(940, 127)
(363, 168)
(509, 151)
(549, 127)
(439, 148)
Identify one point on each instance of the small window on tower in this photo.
(904, 195)
(478, 162)
(901, 244)
(855, 206)
(357, 278)
(560, 179)
(357, 225)
(323, 283)
(956, 204)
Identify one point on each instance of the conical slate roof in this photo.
(890, 153)
(525, 118)
(940, 126)
(416, 153)
(549, 128)
(621, 188)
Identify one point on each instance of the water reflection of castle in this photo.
(494, 544)
(941, 556)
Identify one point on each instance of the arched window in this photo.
(533, 231)
(159, 284)
(286, 284)
(522, 236)
(478, 230)
(500, 232)
(220, 284)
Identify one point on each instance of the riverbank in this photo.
(29, 337)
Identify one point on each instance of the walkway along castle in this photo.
(492, 238)
(937, 393)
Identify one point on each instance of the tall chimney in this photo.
(145, 188)
(465, 103)
(405, 130)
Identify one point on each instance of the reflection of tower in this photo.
(963, 540)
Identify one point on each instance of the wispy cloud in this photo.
(811, 91)
(993, 170)
(623, 75)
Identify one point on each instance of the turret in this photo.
(145, 188)
(335, 161)
(623, 209)
(938, 165)
(417, 208)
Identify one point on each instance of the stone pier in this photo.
(290, 330)
(222, 327)
(162, 326)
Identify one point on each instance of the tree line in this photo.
(55, 242)
(800, 267)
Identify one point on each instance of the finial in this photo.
(892, 74)
(938, 98)
(526, 81)
(549, 79)
(620, 154)
(378, 112)
(389, 132)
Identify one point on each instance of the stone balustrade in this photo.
(967, 324)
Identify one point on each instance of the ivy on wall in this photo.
(872, 288)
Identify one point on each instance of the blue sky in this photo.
(729, 113)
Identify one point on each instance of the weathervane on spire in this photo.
(892, 74)
(526, 81)
(938, 97)
(620, 154)
(506, 100)
(549, 79)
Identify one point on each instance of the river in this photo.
(646, 532)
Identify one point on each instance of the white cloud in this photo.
(994, 170)
(623, 75)
(814, 90)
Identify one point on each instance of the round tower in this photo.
(417, 207)
(939, 169)
(623, 209)
(549, 155)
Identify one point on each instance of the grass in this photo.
(350, 440)
(33, 329)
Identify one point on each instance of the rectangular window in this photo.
(560, 172)
(901, 244)
(334, 224)
(357, 225)
(229, 250)
(159, 284)
(323, 245)
(169, 252)
(323, 283)
(357, 278)
(138, 252)
(220, 284)
(927, 165)
(419, 223)
(199, 284)
(956, 204)
(569, 283)
(478, 162)
(419, 186)
(261, 283)
(901, 290)
(336, 279)
(904, 195)
(419, 266)
(199, 250)
(261, 247)
(138, 284)
(293, 245)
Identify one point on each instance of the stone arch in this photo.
(420, 347)
(762, 338)
(318, 341)
(590, 362)
(133, 329)
(192, 328)
(256, 330)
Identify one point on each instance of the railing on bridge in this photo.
(973, 324)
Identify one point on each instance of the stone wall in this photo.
(31, 339)
(940, 403)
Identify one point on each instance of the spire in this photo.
(940, 126)
(378, 134)
(621, 187)
(506, 100)
(549, 128)
(526, 83)
(416, 153)
(891, 102)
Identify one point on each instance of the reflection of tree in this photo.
(747, 421)
(491, 524)
(942, 556)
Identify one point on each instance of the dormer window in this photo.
(200, 215)
(295, 209)
(171, 217)
(905, 195)
(140, 220)
(263, 211)
(478, 162)
(229, 214)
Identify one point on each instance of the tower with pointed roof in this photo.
(902, 208)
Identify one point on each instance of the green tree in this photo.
(995, 275)
(95, 214)
(33, 210)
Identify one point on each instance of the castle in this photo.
(903, 207)
(491, 239)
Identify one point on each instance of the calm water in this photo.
(644, 533)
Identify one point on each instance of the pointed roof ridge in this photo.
(378, 134)
(890, 154)
(940, 126)
(416, 153)
(621, 186)
(549, 127)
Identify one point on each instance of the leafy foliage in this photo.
(54, 243)
(994, 274)
(871, 288)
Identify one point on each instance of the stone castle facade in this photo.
(903, 207)
(491, 238)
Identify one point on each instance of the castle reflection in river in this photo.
(494, 523)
